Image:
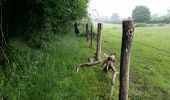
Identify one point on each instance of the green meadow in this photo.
(150, 60)
(50, 73)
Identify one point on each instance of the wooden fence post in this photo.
(87, 31)
(128, 31)
(99, 40)
(91, 36)
(83, 25)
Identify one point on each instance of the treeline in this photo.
(28, 18)
(140, 14)
(161, 19)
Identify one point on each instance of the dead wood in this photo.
(92, 62)
(99, 42)
(88, 64)
(108, 65)
(113, 83)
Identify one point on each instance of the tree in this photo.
(104, 19)
(40, 14)
(168, 10)
(31, 18)
(115, 18)
(154, 15)
(141, 14)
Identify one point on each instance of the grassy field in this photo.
(49, 73)
(149, 72)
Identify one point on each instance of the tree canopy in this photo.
(141, 14)
(115, 18)
(168, 11)
(28, 15)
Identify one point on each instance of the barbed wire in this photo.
(158, 49)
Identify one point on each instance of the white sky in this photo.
(124, 7)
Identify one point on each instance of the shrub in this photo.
(161, 24)
(144, 25)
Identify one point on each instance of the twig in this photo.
(2, 33)
(5, 56)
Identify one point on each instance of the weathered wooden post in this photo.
(91, 35)
(128, 31)
(99, 40)
(84, 28)
(87, 31)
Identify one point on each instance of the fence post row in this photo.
(128, 31)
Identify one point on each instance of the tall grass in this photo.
(48, 73)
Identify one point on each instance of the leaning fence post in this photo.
(87, 31)
(99, 39)
(91, 35)
(128, 31)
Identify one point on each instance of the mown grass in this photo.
(48, 73)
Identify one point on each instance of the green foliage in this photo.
(141, 14)
(20, 16)
(61, 12)
(161, 19)
(144, 25)
(161, 24)
(28, 18)
(30, 27)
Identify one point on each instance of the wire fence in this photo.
(146, 45)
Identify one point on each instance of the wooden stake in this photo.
(83, 28)
(99, 40)
(87, 31)
(91, 36)
(128, 31)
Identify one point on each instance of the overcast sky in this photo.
(124, 7)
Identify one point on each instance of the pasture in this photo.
(150, 60)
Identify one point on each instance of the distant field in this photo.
(150, 61)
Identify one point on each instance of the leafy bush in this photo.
(161, 24)
(26, 17)
(33, 23)
(144, 25)
(161, 19)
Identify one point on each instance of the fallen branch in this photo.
(113, 83)
(92, 62)
(88, 64)
(108, 64)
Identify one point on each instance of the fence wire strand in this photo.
(158, 49)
